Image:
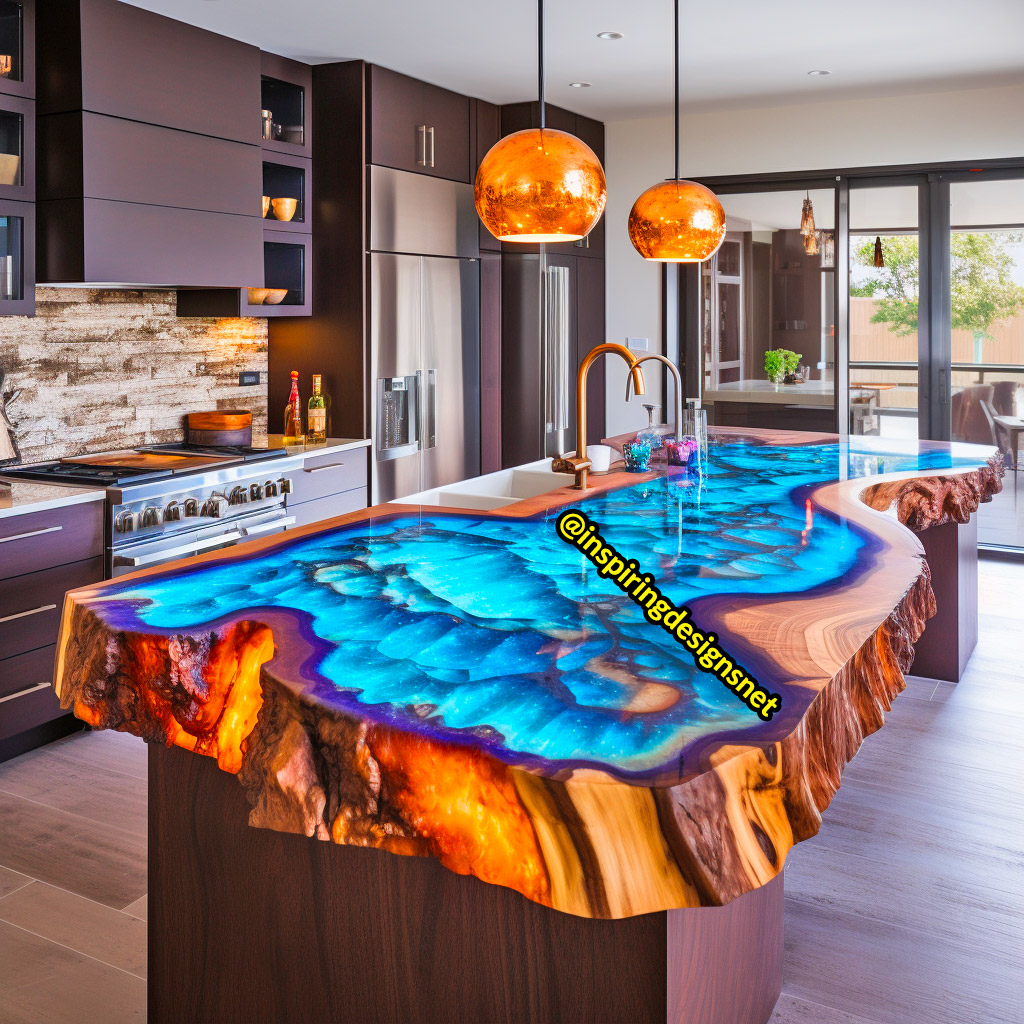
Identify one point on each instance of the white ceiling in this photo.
(734, 51)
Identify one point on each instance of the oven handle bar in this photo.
(275, 525)
(165, 554)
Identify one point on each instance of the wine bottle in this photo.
(293, 437)
(316, 421)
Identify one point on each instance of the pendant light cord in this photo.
(677, 85)
(540, 59)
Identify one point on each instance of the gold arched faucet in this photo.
(578, 464)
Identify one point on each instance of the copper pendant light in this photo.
(541, 184)
(677, 221)
(879, 257)
(807, 217)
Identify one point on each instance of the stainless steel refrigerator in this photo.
(424, 333)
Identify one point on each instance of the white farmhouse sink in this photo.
(494, 490)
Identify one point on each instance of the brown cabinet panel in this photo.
(26, 708)
(324, 475)
(590, 328)
(326, 508)
(41, 540)
(486, 132)
(114, 58)
(96, 240)
(30, 605)
(415, 126)
(93, 156)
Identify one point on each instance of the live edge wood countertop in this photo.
(347, 672)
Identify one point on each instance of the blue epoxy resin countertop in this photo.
(491, 628)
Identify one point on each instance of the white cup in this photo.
(600, 456)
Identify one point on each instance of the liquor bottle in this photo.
(316, 421)
(293, 437)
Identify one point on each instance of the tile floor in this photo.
(907, 908)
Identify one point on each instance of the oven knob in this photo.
(173, 512)
(150, 516)
(256, 492)
(215, 506)
(191, 507)
(125, 522)
(270, 488)
(285, 484)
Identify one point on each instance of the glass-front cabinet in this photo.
(17, 48)
(17, 259)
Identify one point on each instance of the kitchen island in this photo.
(467, 688)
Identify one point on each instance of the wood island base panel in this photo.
(466, 686)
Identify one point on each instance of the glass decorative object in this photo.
(637, 455)
(695, 426)
(655, 434)
(683, 451)
(540, 185)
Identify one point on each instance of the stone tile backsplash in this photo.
(99, 369)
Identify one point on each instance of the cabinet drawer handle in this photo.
(25, 692)
(430, 132)
(321, 469)
(32, 611)
(31, 533)
(421, 131)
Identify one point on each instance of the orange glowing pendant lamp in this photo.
(677, 221)
(541, 184)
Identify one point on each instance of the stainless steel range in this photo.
(174, 501)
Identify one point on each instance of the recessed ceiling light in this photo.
(818, 73)
(579, 85)
(609, 35)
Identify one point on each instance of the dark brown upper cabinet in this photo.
(286, 90)
(17, 258)
(415, 126)
(103, 241)
(112, 58)
(18, 48)
(17, 149)
(93, 156)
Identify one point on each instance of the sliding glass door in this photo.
(885, 288)
(986, 316)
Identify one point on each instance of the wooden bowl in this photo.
(275, 296)
(257, 296)
(9, 164)
(284, 209)
(266, 205)
(222, 426)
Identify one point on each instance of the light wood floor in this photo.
(907, 908)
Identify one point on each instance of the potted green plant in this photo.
(778, 362)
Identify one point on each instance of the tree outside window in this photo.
(983, 292)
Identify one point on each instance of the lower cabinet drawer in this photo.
(326, 508)
(30, 605)
(25, 671)
(40, 540)
(322, 475)
(28, 708)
